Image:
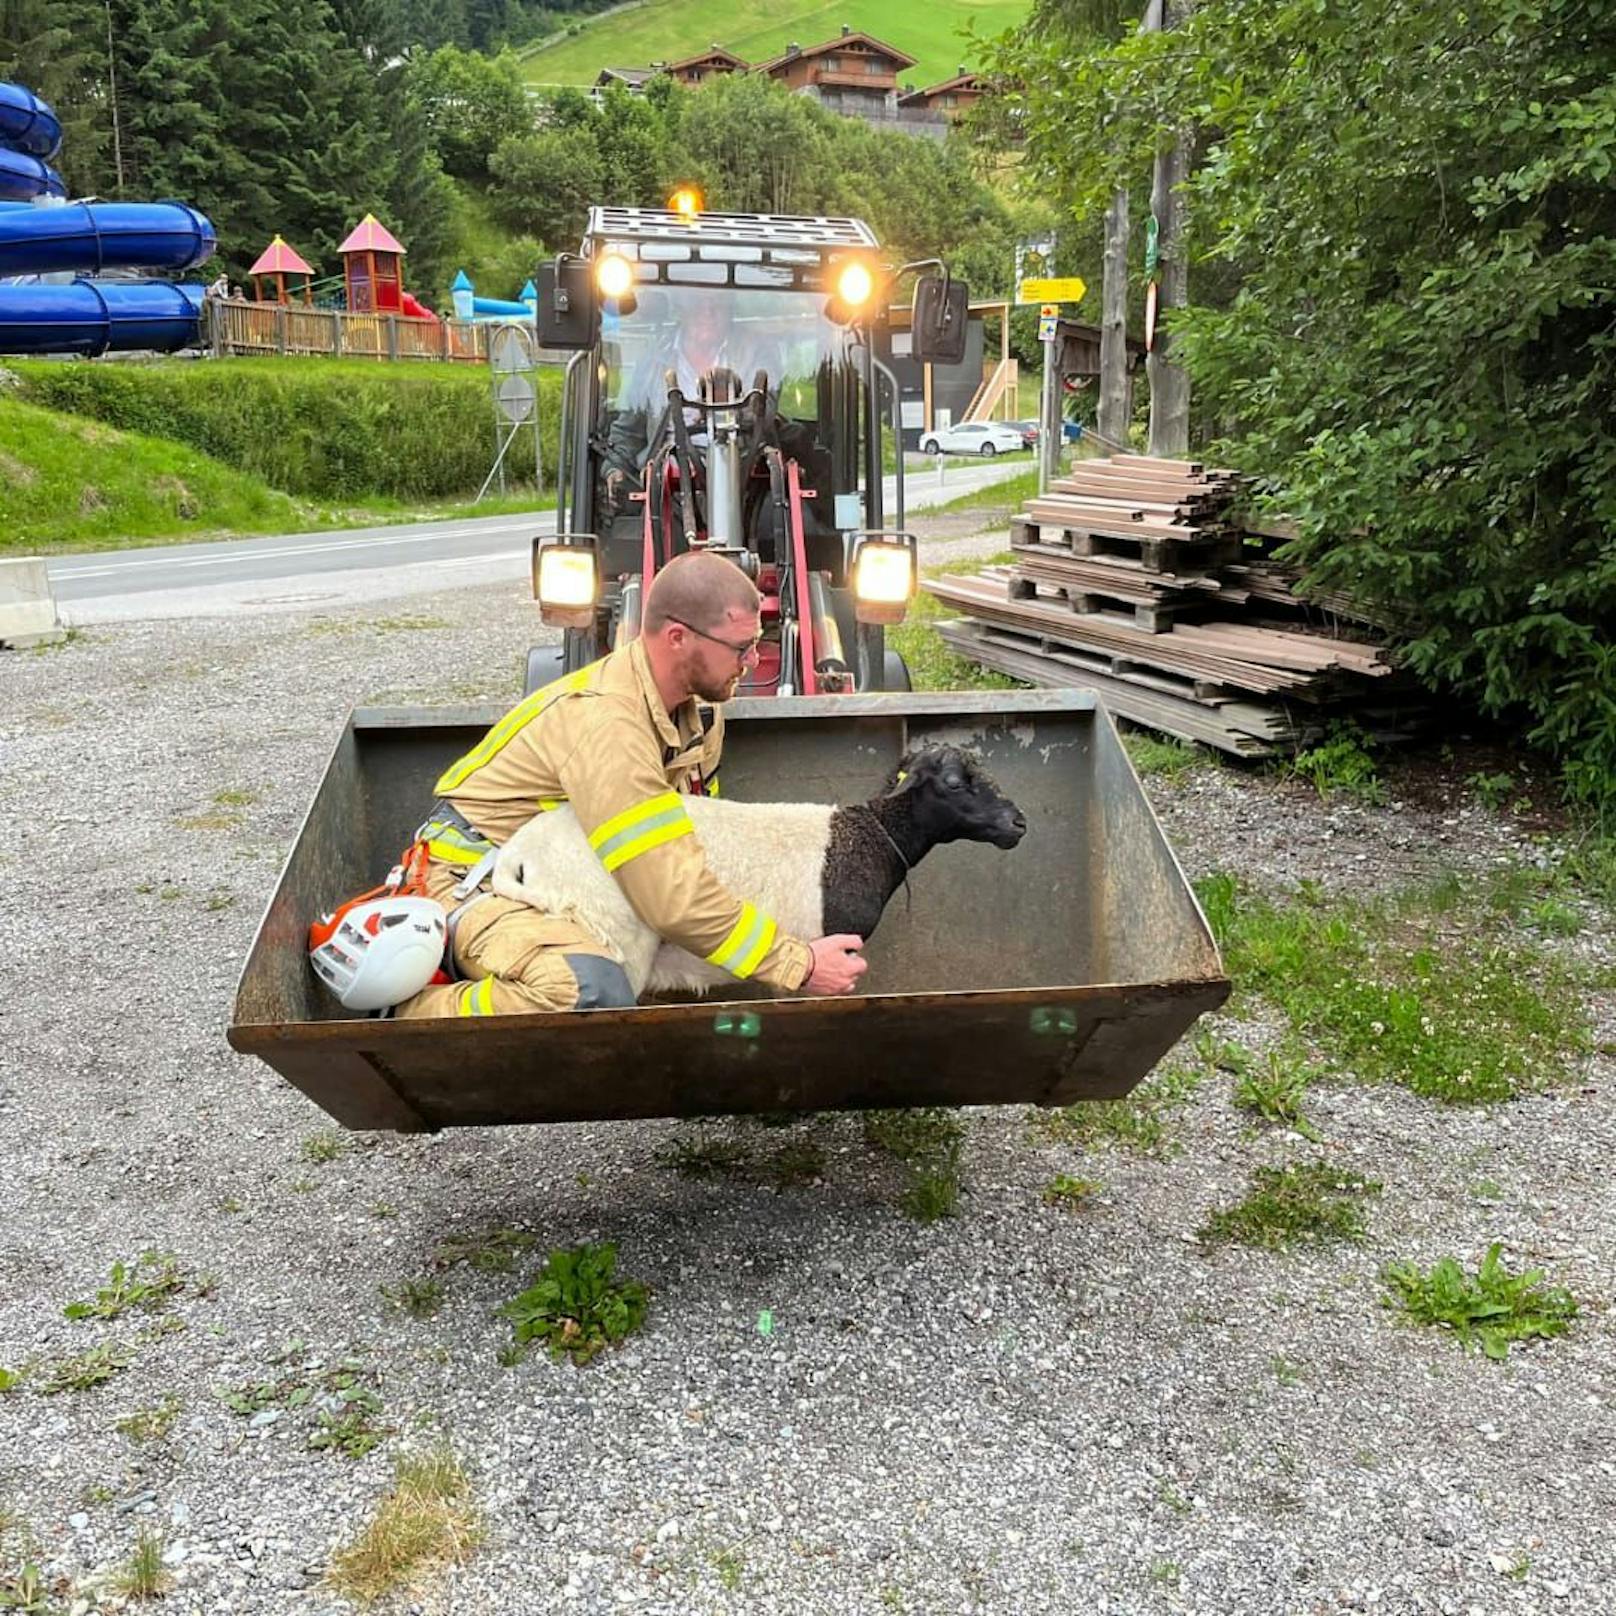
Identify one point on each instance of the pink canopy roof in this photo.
(370, 235)
(279, 259)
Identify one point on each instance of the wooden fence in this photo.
(239, 327)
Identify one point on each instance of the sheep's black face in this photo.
(954, 799)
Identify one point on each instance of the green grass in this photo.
(1163, 755)
(68, 481)
(932, 666)
(1450, 1002)
(1008, 495)
(1141, 1122)
(1306, 1203)
(577, 1306)
(662, 30)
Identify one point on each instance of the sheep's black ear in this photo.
(902, 778)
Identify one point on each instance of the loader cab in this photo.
(725, 391)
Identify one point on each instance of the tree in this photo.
(470, 104)
(1415, 208)
(545, 184)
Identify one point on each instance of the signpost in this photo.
(512, 360)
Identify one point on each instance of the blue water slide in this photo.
(23, 177)
(95, 317)
(90, 237)
(28, 124)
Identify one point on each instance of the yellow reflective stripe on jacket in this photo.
(638, 829)
(711, 788)
(450, 843)
(478, 999)
(501, 735)
(749, 940)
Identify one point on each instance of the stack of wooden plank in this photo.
(1131, 577)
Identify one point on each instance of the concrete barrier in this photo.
(27, 607)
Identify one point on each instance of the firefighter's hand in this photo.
(616, 489)
(838, 964)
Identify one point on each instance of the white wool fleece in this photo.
(769, 853)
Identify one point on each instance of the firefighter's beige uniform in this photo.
(601, 740)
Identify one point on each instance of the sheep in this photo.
(817, 869)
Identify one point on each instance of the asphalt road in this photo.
(302, 570)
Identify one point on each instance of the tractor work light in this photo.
(883, 581)
(854, 284)
(566, 580)
(614, 275)
(686, 202)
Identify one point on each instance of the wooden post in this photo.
(1112, 421)
(1169, 385)
(443, 339)
(336, 332)
(280, 329)
(392, 336)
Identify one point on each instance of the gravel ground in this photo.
(1017, 1410)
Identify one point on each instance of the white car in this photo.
(974, 437)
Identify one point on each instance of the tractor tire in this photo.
(897, 673)
(988, 450)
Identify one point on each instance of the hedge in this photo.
(323, 429)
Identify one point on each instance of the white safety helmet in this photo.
(374, 953)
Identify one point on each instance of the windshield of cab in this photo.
(690, 330)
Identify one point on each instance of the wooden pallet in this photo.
(1184, 717)
(1184, 552)
(1148, 614)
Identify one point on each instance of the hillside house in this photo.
(945, 101)
(855, 73)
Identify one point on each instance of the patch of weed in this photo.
(143, 1575)
(1488, 1309)
(1140, 1122)
(1165, 1573)
(1275, 1090)
(706, 1156)
(350, 1428)
(1306, 1203)
(1164, 756)
(151, 1424)
(1493, 790)
(150, 1283)
(929, 1141)
(340, 1395)
(325, 1146)
(427, 1522)
(238, 798)
(207, 822)
(10, 1379)
(729, 1564)
(1342, 765)
(84, 1371)
(577, 1306)
(420, 1298)
(488, 1251)
(1285, 1371)
(798, 1161)
(1454, 1012)
(1066, 1191)
(28, 1592)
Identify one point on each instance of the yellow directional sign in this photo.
(1052, 289)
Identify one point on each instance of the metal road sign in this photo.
(515, 395)
(510, 349)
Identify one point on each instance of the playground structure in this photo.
(64, 286)
(468, 306)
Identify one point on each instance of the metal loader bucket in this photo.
(1061, 970)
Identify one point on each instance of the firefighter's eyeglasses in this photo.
(739, 652)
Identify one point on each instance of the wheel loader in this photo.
(726, 390)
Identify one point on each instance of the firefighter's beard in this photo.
(702, 682)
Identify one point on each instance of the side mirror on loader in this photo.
(567, 312)
(937, 321)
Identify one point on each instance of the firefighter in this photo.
(620, 741)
